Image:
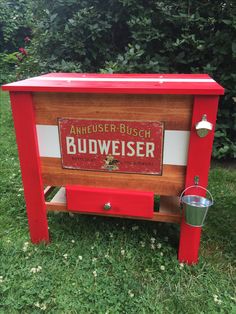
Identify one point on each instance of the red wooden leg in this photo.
(199, 156)
(26, 137)
(189, 243)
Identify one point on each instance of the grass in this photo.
(109, 265)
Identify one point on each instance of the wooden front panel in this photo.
(170, 183)
(174, 110)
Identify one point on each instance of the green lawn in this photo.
(109, 265)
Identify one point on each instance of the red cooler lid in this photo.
(193, 84)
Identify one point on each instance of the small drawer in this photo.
(109, 201)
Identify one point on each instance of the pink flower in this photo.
(23, 51)
(26, 39)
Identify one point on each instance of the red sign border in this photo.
(117, 120)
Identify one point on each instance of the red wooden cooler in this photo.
(112, 142)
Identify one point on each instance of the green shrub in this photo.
(7, 66)
(15, 18)
(140, 36)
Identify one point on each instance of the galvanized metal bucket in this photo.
(195, 207)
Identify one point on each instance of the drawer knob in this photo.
(107, 206)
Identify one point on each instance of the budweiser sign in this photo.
(112, 145)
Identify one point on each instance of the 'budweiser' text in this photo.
(106, 147)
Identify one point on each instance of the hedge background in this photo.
(144, 36)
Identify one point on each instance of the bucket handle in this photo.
(196, 186)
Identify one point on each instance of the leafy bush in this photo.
(140, 36)
(15, 18)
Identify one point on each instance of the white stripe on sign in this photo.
(120, 79)
(175, 144)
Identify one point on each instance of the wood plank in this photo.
(169, 204)
(175, 218)
(170, 183)
(174, 110)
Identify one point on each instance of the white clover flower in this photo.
(80, 257)
(111, 235)
(40, 306)
(216, 299)
(152, 240)
(72, 241)
(65, 256)
(1, 279)
(92, 247)
(37, 304)
(181, 265)
(130, 293)
(43, 307)
(142, 243)
(162, 267)
(94, 259)
(95, 273)
(25, 246)
(161, 254)
(106, 256)
(153, 246)
(36, 269)
(233, 298)
(134, 228)
(159, 245)
(122, 252)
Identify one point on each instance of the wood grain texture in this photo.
(170, 183)
(161, 217)
(169, 204)
(174, 110)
